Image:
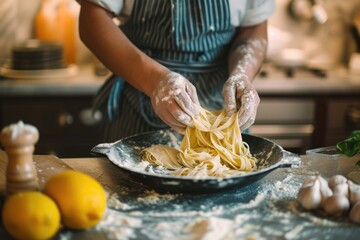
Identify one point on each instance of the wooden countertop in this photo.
(99, 168)
(263, 210)
(85, 82)
(48, 165)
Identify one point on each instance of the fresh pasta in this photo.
(213, 147)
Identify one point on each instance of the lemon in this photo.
(80, 198)
(31, 215)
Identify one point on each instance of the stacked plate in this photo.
(37, 55)
(37, 60)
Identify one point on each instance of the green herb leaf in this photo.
(351, 145)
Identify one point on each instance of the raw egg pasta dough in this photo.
(212, 148)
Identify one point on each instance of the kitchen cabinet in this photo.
(288, 121)
(66, 124)
(299, 122)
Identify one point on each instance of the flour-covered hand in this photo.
(240, 95)
(175, 101)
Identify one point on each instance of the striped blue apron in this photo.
(191, 37)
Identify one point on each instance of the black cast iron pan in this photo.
(125, 154)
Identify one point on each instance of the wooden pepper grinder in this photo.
(19, 140)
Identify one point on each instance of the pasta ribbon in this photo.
(212, 148)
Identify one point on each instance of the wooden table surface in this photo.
(266, 209)
(99, 168)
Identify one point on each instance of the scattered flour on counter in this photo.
(257, 200)
(118, 226)
(294, 232)
(167, 230)
(152, 197)
(203, 223)
(211, 228)
(114, 202)
(215, 211)
(271, 213)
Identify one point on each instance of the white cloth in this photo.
(250, 12)
(242, 12)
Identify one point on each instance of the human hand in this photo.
(239, 93)
(175, 101)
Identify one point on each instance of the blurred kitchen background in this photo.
(309, 84)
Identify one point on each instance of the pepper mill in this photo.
(18, 141)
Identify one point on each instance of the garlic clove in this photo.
(336, 205)
(310, 197)
(354, 192)
(336, 180)
(341, 189)
(355, 213)
(309, 181)
(325, 191)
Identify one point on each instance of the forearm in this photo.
(248, 50)
(113, 48)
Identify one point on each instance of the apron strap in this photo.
(190, 67)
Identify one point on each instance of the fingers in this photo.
(186, 97)
(177, 120)
(186, 104)
(181, 117)
(191, 90)
(238, 91)
(174, 124)
(246, 120)
(248, 124)
(173, 116)
(233, 90)
(247, 113)
(185, 108)
(175, 101)
(229, 94)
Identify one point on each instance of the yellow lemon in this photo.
(31, 215)
(80, 198)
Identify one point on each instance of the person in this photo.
(169, 56)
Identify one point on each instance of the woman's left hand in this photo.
(239, 93)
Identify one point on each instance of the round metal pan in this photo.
(126, 154)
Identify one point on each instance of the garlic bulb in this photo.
(309, 195)
(335, 196)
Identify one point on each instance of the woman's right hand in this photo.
(175, 101)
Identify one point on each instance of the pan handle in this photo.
(101, 149)
(290, 159)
